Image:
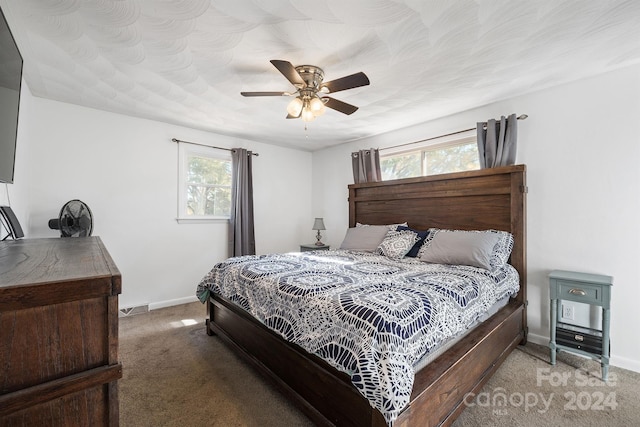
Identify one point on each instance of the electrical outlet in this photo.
(567, 312)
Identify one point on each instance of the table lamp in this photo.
(318, 224)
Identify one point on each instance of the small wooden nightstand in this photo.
(593, 289)
(314, 247)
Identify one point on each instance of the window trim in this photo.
(184, 151)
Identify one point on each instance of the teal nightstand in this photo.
(593, 289)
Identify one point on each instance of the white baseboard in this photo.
(172, 302)
(623, 362)
(538, 339)
(620, 362)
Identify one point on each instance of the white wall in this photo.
(581, 145)
(125, 169)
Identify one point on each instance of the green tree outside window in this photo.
(208, 186)
(431, 160)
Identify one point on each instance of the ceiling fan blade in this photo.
(288, 71)
(289, 116)
(347, 82)
(264, 93)
(343, 107)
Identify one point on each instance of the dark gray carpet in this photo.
(176, 375)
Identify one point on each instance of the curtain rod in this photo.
(520, 117)
(205, 145)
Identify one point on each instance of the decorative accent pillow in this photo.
(489, 249)
(397, 243)
(365, 239)
(422, 235)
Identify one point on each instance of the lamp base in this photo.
(319, 243)
(318, 237)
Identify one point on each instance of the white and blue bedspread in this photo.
(365, 314)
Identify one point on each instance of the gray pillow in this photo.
(365, 239)
(461, 247)
(390, 226)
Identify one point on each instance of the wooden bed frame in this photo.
(486, 199)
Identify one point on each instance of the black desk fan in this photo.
(10, 223)
(75, 220)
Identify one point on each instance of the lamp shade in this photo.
(318, 224)
(307, 115)
(295, 107)
(317, 106)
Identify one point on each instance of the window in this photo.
(204, 183)
(441, 157)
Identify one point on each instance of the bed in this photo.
(479, 200)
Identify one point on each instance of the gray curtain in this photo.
(366, 166)
(241, 234)
(498, 142)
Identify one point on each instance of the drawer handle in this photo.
(577, 291)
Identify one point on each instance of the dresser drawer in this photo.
(580, 292)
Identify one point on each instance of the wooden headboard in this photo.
(477, 200)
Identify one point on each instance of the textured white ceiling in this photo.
(185, 62)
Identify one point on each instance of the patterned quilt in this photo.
(365, 314)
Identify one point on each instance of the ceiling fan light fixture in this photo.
(317, 106)
(295, 107)
(310, 100)
(307, 114)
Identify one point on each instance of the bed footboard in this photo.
(327, 396)
(440, 388)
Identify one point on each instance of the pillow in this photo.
(364, 238)
(461, 247)
(389, 226)
(397, 243)
(499, 255)
(413, 252)
(502, 249)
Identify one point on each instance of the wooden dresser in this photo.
(58, 333)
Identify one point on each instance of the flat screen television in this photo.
(10, 82)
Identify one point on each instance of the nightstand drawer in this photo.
(580, 292)
(589, 342)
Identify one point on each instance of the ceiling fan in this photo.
(310, 95)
